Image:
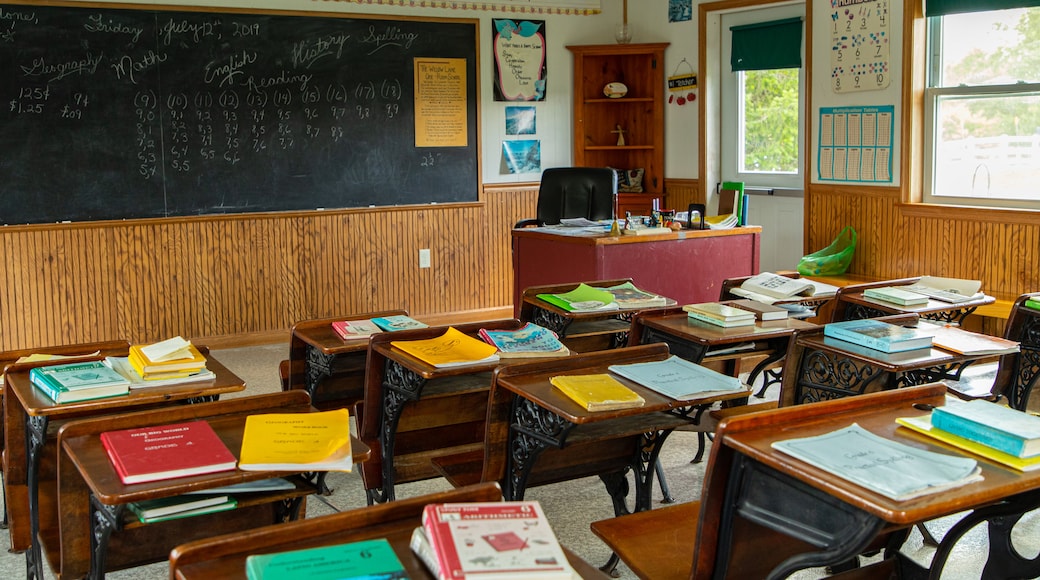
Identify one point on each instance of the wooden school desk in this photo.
(414, 412)
(30, 432)
(581, 331)
(538, 420)
(704, 343)
(687, 266)
(224, 557)
(774, 489)
(820, 368)
(329, 368)
(98, 533)
(851, 304)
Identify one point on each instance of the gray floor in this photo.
(258, 367)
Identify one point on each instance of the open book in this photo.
(768, 287)
(952, 290)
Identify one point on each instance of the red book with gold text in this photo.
(166, 452)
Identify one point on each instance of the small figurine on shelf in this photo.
(620, 136)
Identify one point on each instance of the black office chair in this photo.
(574, 192)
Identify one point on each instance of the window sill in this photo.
(979, 214)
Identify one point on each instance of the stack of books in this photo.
(878, 335)
(180, 506)
(895, 295)
(302, 442)
(503, 540)
(720, 315)
(451, 349)
(1001, 434)
(80, 381)
(174, 358)
(764, 312)
(530, 340)
(355, 329)
(161, 452)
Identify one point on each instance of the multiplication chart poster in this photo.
(860, 50)
(856, 144)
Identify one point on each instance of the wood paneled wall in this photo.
(893, 243)
(250, 277)
(247, 278)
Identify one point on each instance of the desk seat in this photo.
(649, 541)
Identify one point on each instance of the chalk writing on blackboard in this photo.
(123, 113)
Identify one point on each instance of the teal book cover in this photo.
(367, 559)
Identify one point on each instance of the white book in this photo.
(678, 378)
(881, 465)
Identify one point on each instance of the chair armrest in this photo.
(527, 223)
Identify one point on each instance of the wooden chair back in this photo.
(224, 556)
(844, 310)
(1019, 373)
(344, 384)
(447, 417)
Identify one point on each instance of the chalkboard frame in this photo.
(127, 205)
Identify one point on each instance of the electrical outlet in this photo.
(424, 258)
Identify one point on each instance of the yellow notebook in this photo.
(291, 441)
(453, 348)
(599, 392)
(923, 425)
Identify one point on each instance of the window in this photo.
(762, 97)
(982, 104)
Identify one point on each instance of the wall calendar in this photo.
(860, 46)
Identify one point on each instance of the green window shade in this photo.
(943, 7)
(767, 45)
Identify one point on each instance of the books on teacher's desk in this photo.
(530, 340)
(297, 442)
(80, 381)
(161, 452)
(508, 540)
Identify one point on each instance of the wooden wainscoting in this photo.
(892, 244)
(250, 277)
(681, 193)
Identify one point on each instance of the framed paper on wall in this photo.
(519, 47)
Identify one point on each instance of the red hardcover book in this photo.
(494, 540)
(166, 452)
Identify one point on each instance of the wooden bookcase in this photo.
(640, 114)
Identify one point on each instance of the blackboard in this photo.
(122, 113)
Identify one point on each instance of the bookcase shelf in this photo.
(639, 114)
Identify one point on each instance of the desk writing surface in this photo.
(809, 420)
(893, 362)
(537, 388)
(35, 403)
(705, 333)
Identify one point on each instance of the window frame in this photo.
(932, 41)
(730, 147)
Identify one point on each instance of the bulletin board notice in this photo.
(855, 144)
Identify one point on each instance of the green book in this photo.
(738, 199)
(365, 559)
(229, 504)
(583, 298)
(1033, 303)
